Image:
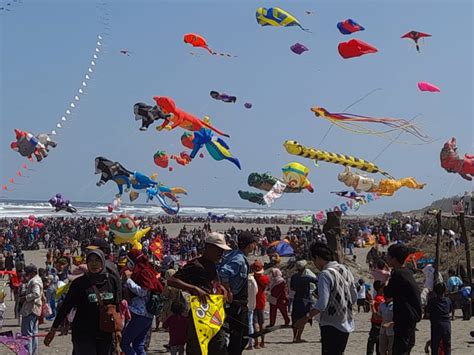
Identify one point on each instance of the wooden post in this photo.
(467, 247)
(438, 242)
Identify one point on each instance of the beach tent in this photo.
(284, 248)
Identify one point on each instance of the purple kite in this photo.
(349, 26)
(298, 48)
(223, 97)
(248, 105)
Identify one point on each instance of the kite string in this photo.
(348, 107)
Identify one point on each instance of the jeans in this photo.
(134, 335)
(92, 347)
(237, 319)
(333, 341)
(385, 344)
(29, 327)
(441, 332)
(251, 329)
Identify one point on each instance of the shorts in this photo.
(258, 316)
(361, 302)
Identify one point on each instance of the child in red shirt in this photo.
(376, 319)
(262, 282)
(176, 324)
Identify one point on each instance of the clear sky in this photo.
(46, 47)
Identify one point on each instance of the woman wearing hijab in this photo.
(87, 337)
(278, 297)
(142, 280)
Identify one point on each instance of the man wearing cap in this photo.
(233, 272)
(199, 278)
(110, 267)
(31, 308)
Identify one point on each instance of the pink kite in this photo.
(355, 48)
(425, 86)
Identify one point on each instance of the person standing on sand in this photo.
(260, 301)
(406, 300)
(233, 273)
(278, 297)
(337, 293)
(199, 278)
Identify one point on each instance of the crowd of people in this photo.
(109, 296)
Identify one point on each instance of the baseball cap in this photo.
(217, 239)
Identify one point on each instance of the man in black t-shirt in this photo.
(199, 278)
(406, 300)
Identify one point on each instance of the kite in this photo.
(298, 48)
(125, 230)
(349, 26)
(140, 182)
(208, 318)
(349, 120)
(31, 222)
(60, 204)
(294, 148)
(355, 48)
(215, 218)
(216, 147)
(115, 205)
(223, 97)
(453, 163)
(187, 140)
(27, 144)
(276, 17)
(114, 171)
(248, 105)
(181, 118)
(295, 180)
(415, 36)
(182, 159)
(352, 195)
(162, 192)
(161, 159)
(199, 41)
(148, 114)
(385, 187)
(125, 52)
(156, 247)
(425, 86)
(309, 12)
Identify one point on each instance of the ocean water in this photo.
(24, 208)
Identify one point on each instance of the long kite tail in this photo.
(212, 128)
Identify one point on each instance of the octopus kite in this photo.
(349, 120)
(385, 187)
(181, 118)
(294, 148)
(453, 163)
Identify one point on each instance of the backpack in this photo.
(154, 305)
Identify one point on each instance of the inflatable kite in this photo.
(294, 148)
(351, 122)
(115, 205)
(215, 218)
(355, 48)
(276, 17)
(415, 36)
(349, 26)
(223, 97)
(295, 180)
(28, 145)
(148, 114)
(386, 187)
(182, 159)
(425, 86)
(216, 147)
(298, 48)
(248, 105)
(453, 163)
(352, 195)
(181, 118)
(114, 171)
(140, 182)
(125, 230)
(208, 319)
(161, 159)
(162, 193)
(199, 41)
(61, 204)
(31, 222)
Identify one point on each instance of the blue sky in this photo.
(46, 47)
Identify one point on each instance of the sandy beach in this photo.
(279, 341)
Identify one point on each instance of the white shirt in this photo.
(428, 271)
(253, 289)
(361, 293)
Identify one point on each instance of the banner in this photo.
(348, 206)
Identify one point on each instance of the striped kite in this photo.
(351, 122)
(293, 147)
(276, 17)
